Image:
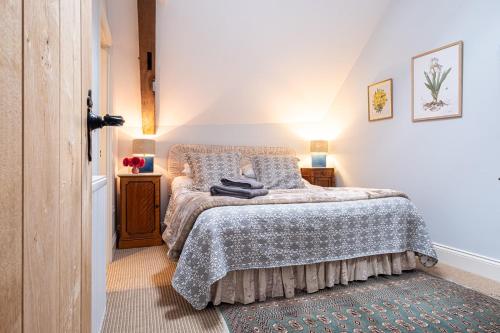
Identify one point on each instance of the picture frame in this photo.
(380, 100)
(437, 82)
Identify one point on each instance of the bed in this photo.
(233, 250)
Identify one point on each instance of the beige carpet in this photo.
(141, 298)
(466, 279)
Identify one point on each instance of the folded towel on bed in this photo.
(237, 192)
(242, 182)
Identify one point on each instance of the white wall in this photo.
(238, 72)
(450, 168)
(99, 220)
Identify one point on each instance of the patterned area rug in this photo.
(412, 302)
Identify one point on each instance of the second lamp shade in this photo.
(143, 147)
(319, 146)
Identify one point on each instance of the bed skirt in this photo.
(248, 286)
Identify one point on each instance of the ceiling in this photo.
(245, 62)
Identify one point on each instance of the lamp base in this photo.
(148, 164)
(318, 161)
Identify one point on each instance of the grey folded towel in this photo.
(237, 192)
(242, 182)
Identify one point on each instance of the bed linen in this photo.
(218, 235)
(277, 172)
(208, 168)
(237, 192)
(253, 285)
(242, 182)
(186, 204)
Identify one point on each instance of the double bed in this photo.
(245, 250)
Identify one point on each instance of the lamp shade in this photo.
(144, 147)
(319, 146)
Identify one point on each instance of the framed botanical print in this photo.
(437, 83)
(380, 100)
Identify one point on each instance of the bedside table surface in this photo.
(317, 168)
(317, 171)
(152, 174)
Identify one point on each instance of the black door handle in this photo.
(95, 122)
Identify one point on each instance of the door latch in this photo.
(95, 122)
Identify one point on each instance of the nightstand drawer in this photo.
(319, 176)
(322, 172)
(323, 181)
(306, 172)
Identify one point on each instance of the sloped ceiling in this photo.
(257, 61)
(240, 61)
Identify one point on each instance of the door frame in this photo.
(108, 156)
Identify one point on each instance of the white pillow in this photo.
(187, 170)
(247, 171)
(181, 182)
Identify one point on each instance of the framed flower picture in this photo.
(380, 100)
(437, 83)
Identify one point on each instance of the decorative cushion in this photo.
(187, 170)
(247, 171)
(277, 171)
(208, 169)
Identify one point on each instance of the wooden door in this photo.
(45, 198)
(11, 177)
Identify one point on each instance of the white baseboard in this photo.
(468, 261)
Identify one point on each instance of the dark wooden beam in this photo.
(147, 54)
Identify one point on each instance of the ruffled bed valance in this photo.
(248, 286)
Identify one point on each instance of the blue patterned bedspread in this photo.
(230, 238)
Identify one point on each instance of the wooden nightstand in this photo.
(319, 176)
(139, 213)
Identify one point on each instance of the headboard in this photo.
(176, 155)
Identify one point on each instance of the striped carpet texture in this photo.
(141, 297)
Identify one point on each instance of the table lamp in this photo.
(145, 148)
(319, 150)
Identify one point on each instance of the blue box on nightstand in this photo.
(148, 164)
(318, 161)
